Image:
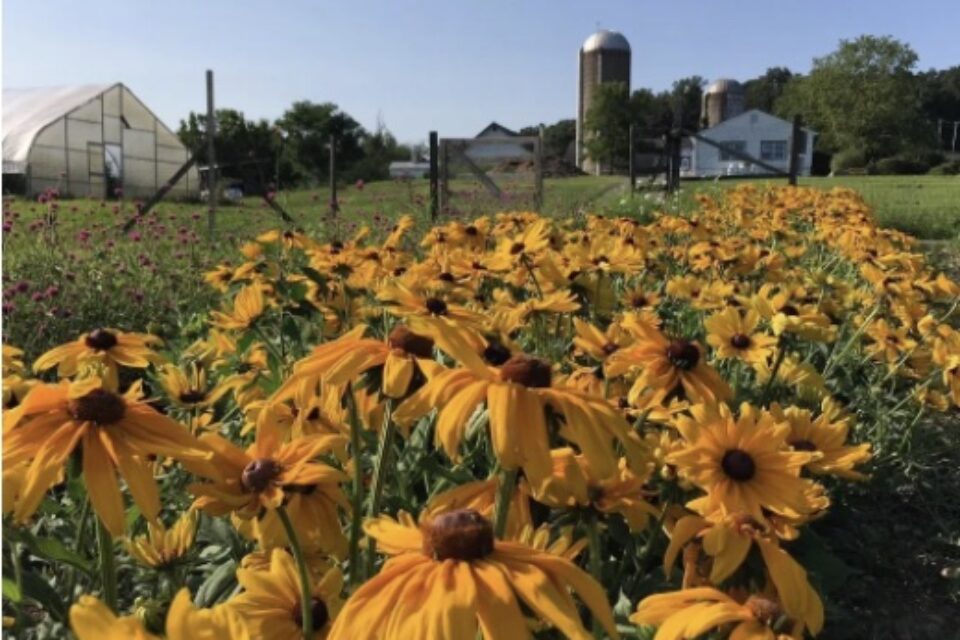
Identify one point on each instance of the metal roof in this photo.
(723, 85)
(26, 112)
(607, 40)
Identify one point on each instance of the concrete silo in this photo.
(604, 57)
(722, 100)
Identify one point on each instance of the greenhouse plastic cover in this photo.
(27, 111)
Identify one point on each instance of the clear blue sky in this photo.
(451, 65)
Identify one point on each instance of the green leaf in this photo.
(53, 549)
(217, 585)
(11, 591)
(39, 590)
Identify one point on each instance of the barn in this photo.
(494, 144)
(759, 134)
(89, 140)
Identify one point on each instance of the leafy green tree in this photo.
(246, 149)
(863, 96)
(380, 148)
(764, 91)
(607, 126)
(940, 100)
(687, 95)
(307, 127)
(557, 137)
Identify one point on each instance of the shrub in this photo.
(950, 168)
(899, 165)
(848, 160)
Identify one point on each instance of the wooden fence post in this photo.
(212, 196)
(434, 176)
(794, 169)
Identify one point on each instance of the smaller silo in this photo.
(722, 100)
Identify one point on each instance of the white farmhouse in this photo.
(753, 132)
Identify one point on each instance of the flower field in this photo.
(509, 427)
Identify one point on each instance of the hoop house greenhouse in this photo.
(89, 140)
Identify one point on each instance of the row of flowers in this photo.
(503, 415)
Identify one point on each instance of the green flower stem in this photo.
(18, 577)
(306, 595)
(108, 567)
(781, 354)
(81, 530)
(384, 464)
(508, 482)
(529, 265)
(596, 562)
(356, 525)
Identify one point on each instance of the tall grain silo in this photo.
(604, 57)
(722, 100)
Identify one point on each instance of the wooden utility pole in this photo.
(632, 162)
(334, 205)
(434, 176)
(794, 169)
(211, 156)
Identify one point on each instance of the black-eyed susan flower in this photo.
(107, 347)
(827, 436)
(117, 433)
(90, 619)
(733, 335)
(260, 477)
(691, 613)
(271, 606)
(742, 463)
(407, 303)
(191, 388)
(449, 578)
(161, 547)
(517, 394)
(670, 365)
(248, 305)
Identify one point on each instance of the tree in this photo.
(379, 148)
(688, 96)
(556, 137)
(764, 91)
(308, 127)
(940, 100)
(246, 150)
(607, 125)
(862, 96)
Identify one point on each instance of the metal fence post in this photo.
(434, 176)
(211, 156)
(631, 161)
(794, 169)
(538, 160)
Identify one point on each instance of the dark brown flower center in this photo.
(789, 310)
(193, 396)
(446, 276)
(313, 414)
(803, 445)
(740, 341)
(409, 342)
(436, 306)
(496, 354)
(763, 609)
(100, 340)
(683, 354)
(516, 248)
(526, 370)
(471, 230)
(738, 465)
(258, 474)
(458, 535)
(610, 348)
(638, 302)
(319, 616)
(99, 406)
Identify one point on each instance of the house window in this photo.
(736, 145)
(773, 149)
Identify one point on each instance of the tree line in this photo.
(870, 106)
(294, 149)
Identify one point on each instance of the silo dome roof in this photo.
(605, 39)
(724, 85)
